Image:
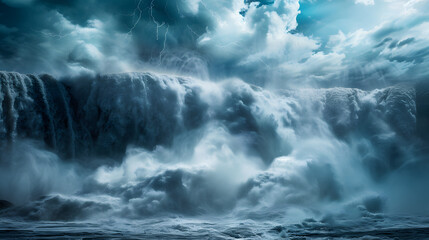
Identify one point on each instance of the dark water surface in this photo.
(179, 228)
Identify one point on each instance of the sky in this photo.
(272, 43)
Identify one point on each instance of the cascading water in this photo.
(144, 145)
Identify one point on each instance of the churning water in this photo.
(145, 155)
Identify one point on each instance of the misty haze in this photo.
(214, 119)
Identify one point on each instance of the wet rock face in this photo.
(155, 144)
(101, 116)
(111, 113)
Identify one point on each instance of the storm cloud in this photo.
(270, 110)
(283, 43)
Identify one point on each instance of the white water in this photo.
(138, 145)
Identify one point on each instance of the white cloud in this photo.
(365, 2)
(259, 42)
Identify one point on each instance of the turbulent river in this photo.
(145, 155)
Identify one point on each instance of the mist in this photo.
(223, 119)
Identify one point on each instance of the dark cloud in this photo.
(386, 40)
(73, 36)
(405, 42)
(273, 43)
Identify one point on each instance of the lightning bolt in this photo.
(192, 31)
(208, 9)
(165, 42)
(158, 25)
(178, 9)
(138, 18)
